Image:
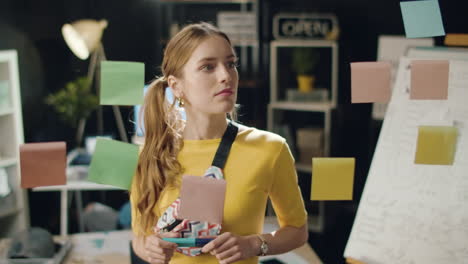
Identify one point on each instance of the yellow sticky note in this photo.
(436, 145)
(332, 179)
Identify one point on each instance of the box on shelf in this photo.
(306, 154)
(316, 95)
(4, 185)
(4, 95)
(309, 142)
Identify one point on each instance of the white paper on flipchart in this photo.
(390, 49)
(412, 213)
(4, 186)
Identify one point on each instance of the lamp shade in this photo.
(83, 36)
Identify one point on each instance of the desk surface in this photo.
(77, 185)
(113, 247)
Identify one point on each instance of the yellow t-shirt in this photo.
(259, 165)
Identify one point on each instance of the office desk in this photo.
(113, 247)
(76, 186)
(76, 175)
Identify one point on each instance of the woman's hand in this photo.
(229, 248)
(159, 251)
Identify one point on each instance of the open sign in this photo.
(304, 26)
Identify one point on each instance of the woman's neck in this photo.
(205, 127)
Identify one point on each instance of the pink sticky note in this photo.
(43, 164)
(370, 82)
(429, 79)
(202, 199)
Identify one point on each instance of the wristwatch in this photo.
(263, 246)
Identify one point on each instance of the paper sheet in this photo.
(422, 19)
(411, 213)
(114, 163)
(332, 179)
(121, 83)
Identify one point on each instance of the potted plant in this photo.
(74, 103)
(304, 63)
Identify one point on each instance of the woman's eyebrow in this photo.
(207, 59)
(214, 58)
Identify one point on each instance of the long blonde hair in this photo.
(157, 164)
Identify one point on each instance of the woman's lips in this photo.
(226, 92)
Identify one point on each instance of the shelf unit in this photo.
(14, 212)
(278, 104)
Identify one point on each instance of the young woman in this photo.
(200, 67)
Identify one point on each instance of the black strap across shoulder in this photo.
(224, 147)
(219, 161)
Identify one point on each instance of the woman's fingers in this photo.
(158, 250)
(228, 244)
(221, 255)
(220, 240)
(155, 241)
(236, 257)
(154, 257)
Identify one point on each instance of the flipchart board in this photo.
(411, 213)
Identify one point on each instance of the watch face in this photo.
(264, 248)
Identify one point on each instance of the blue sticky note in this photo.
(422, 19)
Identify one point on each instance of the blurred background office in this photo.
(138, 31)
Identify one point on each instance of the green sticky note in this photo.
(422, 19)
(114, 163)
(122, 83)
(436, 145)
(332, 179)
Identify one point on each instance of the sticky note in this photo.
(456, 40)
(370, 82)
(113, 163)
(429, 79)
(422, 19)
(436, 145)
(332, 179)
(202, 199)
(121, 83)
(43, 164)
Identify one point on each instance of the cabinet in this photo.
(14, 214)
(298, 114)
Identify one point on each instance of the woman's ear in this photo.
(175, 85)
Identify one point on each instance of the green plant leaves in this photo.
(74, 102)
